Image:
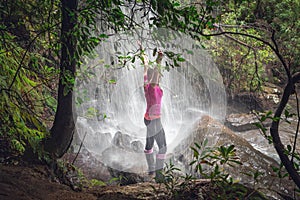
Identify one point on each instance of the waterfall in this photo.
(109, 95)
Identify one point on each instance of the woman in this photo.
(152, 118)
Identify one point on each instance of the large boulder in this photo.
(125, 164)
(125, 159)
(90, 165)
(217, 134)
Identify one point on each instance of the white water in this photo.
(190, 90)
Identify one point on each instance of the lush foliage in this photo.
(210, 163)
(28, 69)
(255, 34)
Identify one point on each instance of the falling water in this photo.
(110, 102)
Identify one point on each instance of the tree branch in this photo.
(288, 90)
(273, 48)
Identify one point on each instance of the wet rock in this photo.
(245, 102)
(267, 99)
(125, 178)
(241, 122)
(124, 159)
(105, 140)
(125, 164)
(90, 165)
(82, 129)
(137, 146)
(121, 140)
(270, 96)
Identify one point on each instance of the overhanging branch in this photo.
(274, 48)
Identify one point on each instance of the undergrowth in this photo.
(215, 183)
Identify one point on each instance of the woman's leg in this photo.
(149, 147)
(160, 139)
(150, 134)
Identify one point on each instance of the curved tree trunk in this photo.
(288, 164)
(64, 125)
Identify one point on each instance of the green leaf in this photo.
(193, 162)
(103, 35)
(276, 119)
(79, 100)
(196, 153)
(190, 52)
(197, 145)
(176, 4)
(112, 81)
(289, 148)
(154, 51)
(66, 91)
(133, 59)
(180, 59)
(230, 148)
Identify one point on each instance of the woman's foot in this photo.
(150, 177)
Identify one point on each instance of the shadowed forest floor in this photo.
(36, 182)
(20, 182)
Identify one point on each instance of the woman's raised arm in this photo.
(145, 60)
(156, 69)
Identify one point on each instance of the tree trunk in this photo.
(64, 123)
(274, 130)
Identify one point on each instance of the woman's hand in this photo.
(143, 56)
(159, 57)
